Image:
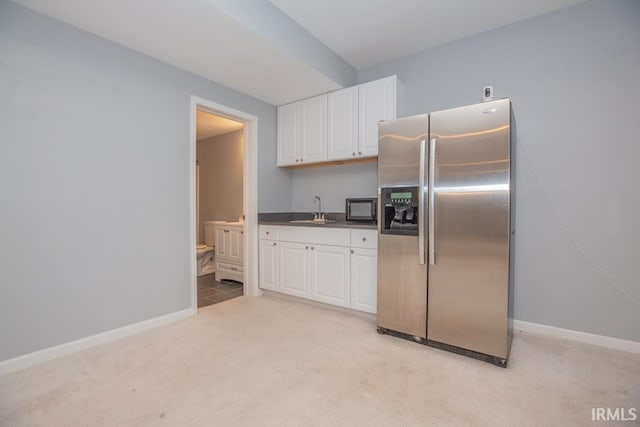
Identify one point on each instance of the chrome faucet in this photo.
(319, 214)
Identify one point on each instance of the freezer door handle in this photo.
(432, 183)
(421, 205)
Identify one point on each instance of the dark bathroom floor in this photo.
(210, 291)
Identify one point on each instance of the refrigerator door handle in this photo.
(432, 182)
(421, 205)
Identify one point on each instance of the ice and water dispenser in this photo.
(399, 210)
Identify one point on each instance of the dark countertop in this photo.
(283, 218)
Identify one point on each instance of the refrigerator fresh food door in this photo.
(402, 270)
(470, 229)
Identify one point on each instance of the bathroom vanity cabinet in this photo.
(230, 251)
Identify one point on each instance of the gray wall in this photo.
(221, 170)
(333, 184)
(94, 182)
(573, 77)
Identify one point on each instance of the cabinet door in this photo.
(377, 101)
(313, 129)
(221, 243)
(294, 269)
(330, 274)
(288, 134)
(364, 267)
(342, 111)
(235, 245)
(268, 265)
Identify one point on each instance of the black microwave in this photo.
(362, 209)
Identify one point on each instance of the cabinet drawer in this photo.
(230, 267)
(367, 239)
(322, 235)
(269, 232)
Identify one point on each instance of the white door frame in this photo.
(249, 193)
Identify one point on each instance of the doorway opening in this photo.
(219, 210)
(223, 201)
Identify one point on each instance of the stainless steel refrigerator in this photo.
(445, 224)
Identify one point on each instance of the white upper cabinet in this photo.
(313, 129)
(302, 132)
(377, 101)
(343, 124)
(288, 134)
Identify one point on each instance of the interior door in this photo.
(469, 261)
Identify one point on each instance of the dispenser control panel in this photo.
(399, 210)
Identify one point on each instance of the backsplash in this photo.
(333, 184)
(290, 216)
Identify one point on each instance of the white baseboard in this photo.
(40, 356)
(583, 337)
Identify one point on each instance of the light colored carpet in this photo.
(269, 361)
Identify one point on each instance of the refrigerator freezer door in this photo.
(469, 278)
(402, 279)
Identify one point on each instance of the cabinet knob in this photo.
(296, 160)
(353, 154)
(267, 233)
(351, 250)
(301, 160)
(364, 239)
(360, 152)
(274, 243)
(312, 248)
(306, 247)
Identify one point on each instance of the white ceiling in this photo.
(367, 32)
(197, 36)
(208, 125)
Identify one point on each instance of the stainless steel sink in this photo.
(312, 221)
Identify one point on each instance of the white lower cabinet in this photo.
(269, 265)
(329, 265)
(294, 269)
(330, 275)
(364, 273)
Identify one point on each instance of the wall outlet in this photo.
(487, 94)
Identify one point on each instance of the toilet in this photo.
(205, 253)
